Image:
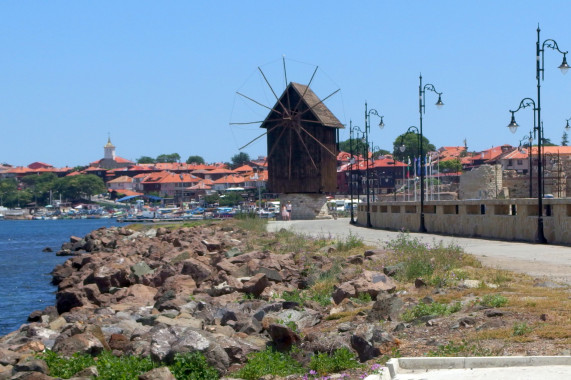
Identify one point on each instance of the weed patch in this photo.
(436, 263)
(269, 362)
(339, 360)
(493, 300)
(434, 308)
(462, 348)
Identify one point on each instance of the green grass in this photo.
(436, 263)
(460, 349)
(269, 362)
(435, 308)
(192, 366)
(350, 242)
(521, 329)
(341, 359)
(109, 367)
(493, 300)
(189, 366)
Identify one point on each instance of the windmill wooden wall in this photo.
(302, 155)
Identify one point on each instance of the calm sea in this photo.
(25, 270)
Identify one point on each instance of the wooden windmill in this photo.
(301, 139)
(302, 136)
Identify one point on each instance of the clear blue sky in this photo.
(161, 77)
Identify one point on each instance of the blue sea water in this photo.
(25, 280)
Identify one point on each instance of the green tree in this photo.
(564, 139)
(80, 186)
(239, 159)
(410, 142)
(39, 186)
(547, 142)
(173, 157)
(231, 199)
(357, 144)
(450, 166)
(212, 199)
(195, 160)
(146, 160)
(8, 189)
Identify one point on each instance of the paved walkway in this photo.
(551, 262)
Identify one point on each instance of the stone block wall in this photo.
(484, 182)
(306, 206)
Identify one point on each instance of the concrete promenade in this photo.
(551, 262)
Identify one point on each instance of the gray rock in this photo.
(141, 269)
(85, 343)
(162, 373)
(388, 307)
(32, 365)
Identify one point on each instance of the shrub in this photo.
(460, 349)
(269, 362)
(192, 366)
(434, 308)
(339, 360)
(424, 260)
(351, 241)
(521, 328)
(109, 366)
(66, 368)
(493, 300)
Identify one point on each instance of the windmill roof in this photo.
(312, 101)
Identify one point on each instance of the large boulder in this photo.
(85, 343)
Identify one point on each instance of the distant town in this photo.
(451, 172)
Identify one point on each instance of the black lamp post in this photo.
(529, 140)
(365, 148)
(367, 131)
(421, 110)
(402, 148)
(375, 174)
(567, 127)
(540, 69)
(352, 161)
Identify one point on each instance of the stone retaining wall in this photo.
(509, 219)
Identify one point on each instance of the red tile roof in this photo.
(232, 179)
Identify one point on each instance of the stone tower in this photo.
(109, 150)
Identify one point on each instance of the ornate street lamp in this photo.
(421, 110)
(402, 148)
(540, 69)
(365, 149)
(351, 169)
(367, 131)
(529, 140)
(567, 127)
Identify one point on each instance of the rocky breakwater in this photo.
(160, 292)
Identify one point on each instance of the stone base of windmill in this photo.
(306, 206)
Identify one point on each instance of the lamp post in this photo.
(529, 140)
(394, 179)
(352, 161)
(367, 131)
(365, 148)
(567, 127)
(375, 174)
(402, 148)
(422, 109)
(540, 69)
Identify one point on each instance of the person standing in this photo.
(288, 208)
(285, 214)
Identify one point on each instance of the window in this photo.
(519, 162)
(510, 162)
